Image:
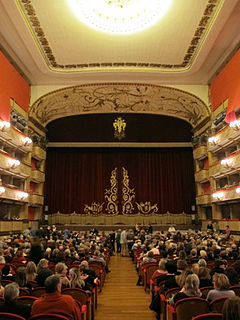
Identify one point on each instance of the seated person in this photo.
(42, 272)
(204, 277)
(190, 289)
(53, 302)
(10, 305)
(221, 287)
(231, 309)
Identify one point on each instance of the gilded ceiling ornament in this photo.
(206, 21)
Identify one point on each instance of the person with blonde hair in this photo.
(61, 271)
(221, 287)
(31, 271)
(190, 289)
(75, 279)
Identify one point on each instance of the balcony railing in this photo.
(200, 152)
(224, 138)
(15, 138)
(37, 176)
(202, 176)
(36, 200)
(38, 153)
(203, 199)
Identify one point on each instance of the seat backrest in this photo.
(236, 289)
(208, 316)
(27, 300)
(171, 292)
(38, 291)
(48, 316)
(10, 316)
(190, 307)
(205, 290)
(149, 270)
(23, 292)
(78, 294)
(5, 282)
(216, 305)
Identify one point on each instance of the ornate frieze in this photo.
(120, 98)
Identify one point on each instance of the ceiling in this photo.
(51, 46)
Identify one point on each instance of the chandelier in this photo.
(120, 16)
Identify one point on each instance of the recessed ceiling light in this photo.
(120, 16)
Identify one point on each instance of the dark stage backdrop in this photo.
(79, 176)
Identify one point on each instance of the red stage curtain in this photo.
(75, 177)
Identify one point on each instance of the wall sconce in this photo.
(235, 124)
(4, 125)
(226, 162)
(213, 140)
(238, 190)
(217, 195)
(27, 141)
(2, 190)
(22, 195)
(13, 163)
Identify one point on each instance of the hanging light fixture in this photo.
(120, 16)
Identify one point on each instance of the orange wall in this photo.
(227, 85)
(12, 85)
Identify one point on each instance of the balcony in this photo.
(16, 139)
(203, 199)
(228, 194)
(200, 153)
(14, 194)
(36, 200)
(202, 176)
(37, 176)
(38, 153)
(232, 164)
(21, 170)
(224, 138)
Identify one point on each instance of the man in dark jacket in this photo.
(11, 305)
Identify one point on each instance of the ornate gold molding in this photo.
(119, 98)
(26, 8)
(128, 194)
(147, 208)
(111, 194)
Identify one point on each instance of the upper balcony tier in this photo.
(14, 138)
(227, 166)
(227, 136)
(11, 166)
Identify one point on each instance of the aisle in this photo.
(121, 299)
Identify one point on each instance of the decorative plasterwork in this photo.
(119, 98)
(206, 21)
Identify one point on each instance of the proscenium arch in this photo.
(120, 98)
